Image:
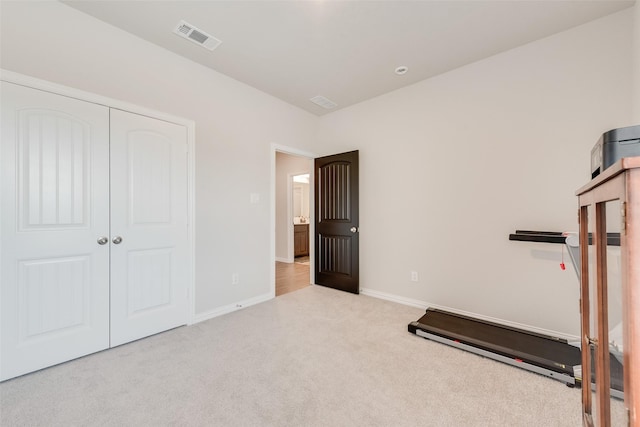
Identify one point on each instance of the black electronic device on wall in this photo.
(614, 145)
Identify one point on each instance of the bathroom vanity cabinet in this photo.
(301, 240)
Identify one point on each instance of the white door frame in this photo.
(20, 79)
(276, 148)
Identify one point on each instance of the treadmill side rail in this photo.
(567, 379)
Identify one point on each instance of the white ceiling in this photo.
(345, 50)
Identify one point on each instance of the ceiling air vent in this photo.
(323, 102)
(196, 35)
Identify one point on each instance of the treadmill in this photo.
(552, 357)
(545, 355)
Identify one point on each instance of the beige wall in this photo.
(235, 127)
(450, 166)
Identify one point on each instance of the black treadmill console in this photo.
(614, 145)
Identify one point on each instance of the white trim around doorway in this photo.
(276, 148)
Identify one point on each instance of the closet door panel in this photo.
(149, 215)
(54, 277)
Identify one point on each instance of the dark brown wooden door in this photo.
(336, 215)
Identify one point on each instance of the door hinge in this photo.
(623, 217)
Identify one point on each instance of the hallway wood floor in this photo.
(291, 277)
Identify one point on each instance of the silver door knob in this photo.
(103, 240)
(117, 240)
(354, 229)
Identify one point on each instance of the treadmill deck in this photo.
(545, 355)
(542, 354)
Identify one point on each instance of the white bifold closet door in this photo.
(55, 206)
(149, 267)
(93, 237)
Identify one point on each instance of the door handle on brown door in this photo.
(117, 240)
(103, 240)
(354, 229)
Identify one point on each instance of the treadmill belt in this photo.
(548, 353)
(536, 349)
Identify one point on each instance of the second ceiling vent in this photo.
(323, 102)
(196, 35)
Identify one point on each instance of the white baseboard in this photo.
(287, 260)
(424, 305)
(201, 317)
(395, 298)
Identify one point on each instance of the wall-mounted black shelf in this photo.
(613, 239)
(538, 236)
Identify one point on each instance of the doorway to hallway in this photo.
(293, 238)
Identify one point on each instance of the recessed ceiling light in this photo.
(401, 70)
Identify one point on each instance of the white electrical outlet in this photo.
(235, 278)
(414, 276)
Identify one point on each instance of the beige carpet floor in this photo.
(314, 357)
